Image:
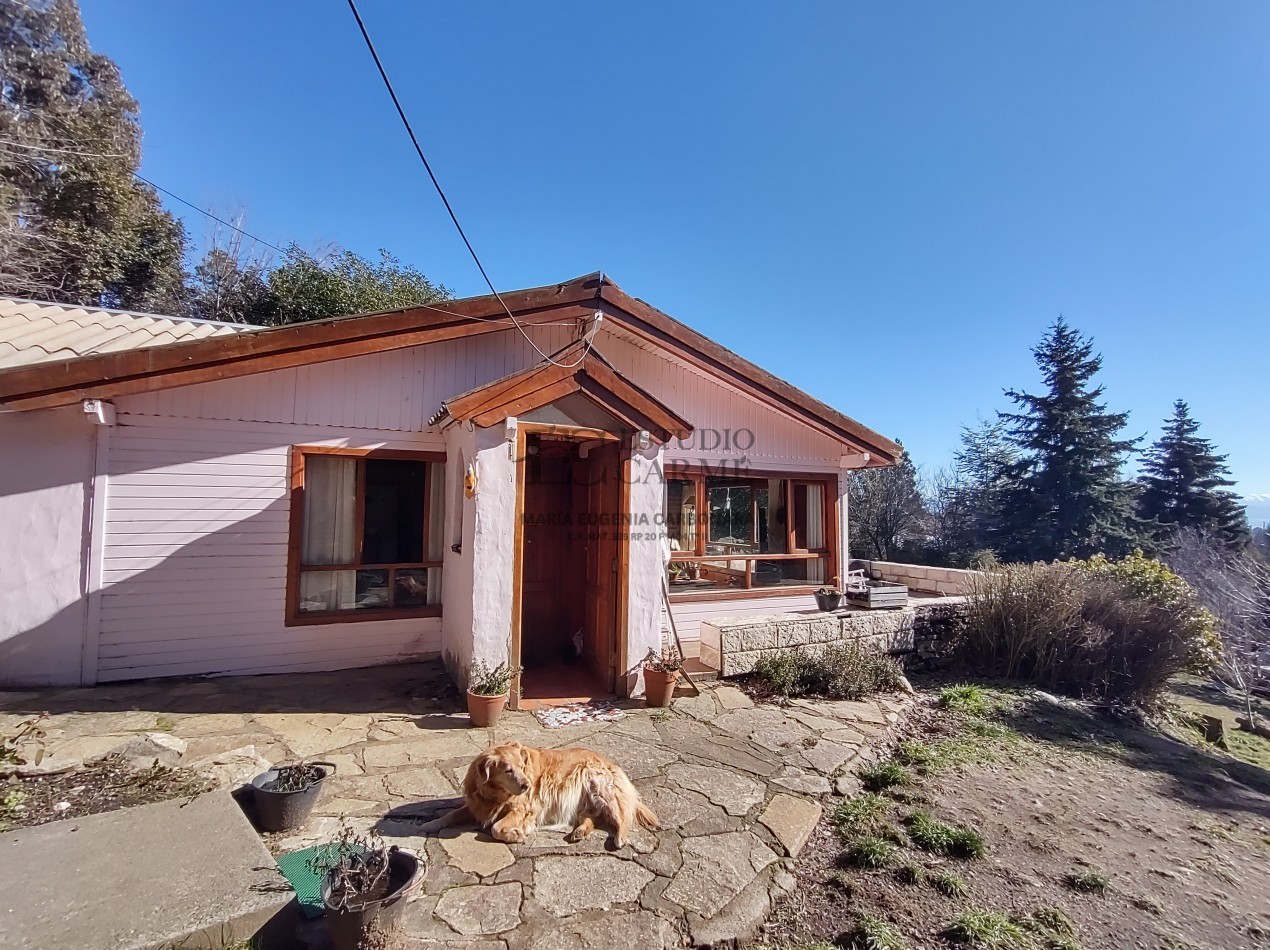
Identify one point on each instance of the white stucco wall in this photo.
(644, 593)
(46, 471)
(478, 601)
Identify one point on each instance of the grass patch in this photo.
(1088, 882)
(1050, 920)
(884, 775)
(870, 852)
(874, 933)
(985, 928)
(949, 884)
(861, 814)
(966, 698)
(939, 837)
(910, 874)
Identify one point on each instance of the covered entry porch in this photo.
(557, 527)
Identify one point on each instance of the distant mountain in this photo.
(1258, 509)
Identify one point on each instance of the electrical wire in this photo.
(191, 204)
(383, 74)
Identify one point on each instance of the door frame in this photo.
(620, 587)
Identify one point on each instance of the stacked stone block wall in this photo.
(735, 644)
(935, 580)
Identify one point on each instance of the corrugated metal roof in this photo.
(35, 332)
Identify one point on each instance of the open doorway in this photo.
(570, 586)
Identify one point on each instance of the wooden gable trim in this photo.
(576, 368)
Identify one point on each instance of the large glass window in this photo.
(745, 533)
(369, 534)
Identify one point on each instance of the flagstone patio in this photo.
(738, 788)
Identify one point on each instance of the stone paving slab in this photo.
(738, 787)
(173, 874)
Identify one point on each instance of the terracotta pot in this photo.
(485, 710)
(659, 687)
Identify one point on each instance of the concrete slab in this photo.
(187, 873)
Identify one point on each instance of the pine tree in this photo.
(75, 224)
(1065, 496)
(1184, 482)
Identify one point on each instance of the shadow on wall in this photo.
(180, 608)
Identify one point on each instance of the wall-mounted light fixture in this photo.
(99, 412)
(643, 439)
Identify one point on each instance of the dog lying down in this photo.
(512, 789)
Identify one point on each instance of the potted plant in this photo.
(287, 793)
(661, 673)
(487, 691)
(829, 598)
(365, 886)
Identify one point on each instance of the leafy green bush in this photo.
(838, 671)
(1109, 629)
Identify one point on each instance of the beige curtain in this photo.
(816, 529)
(436, 528)
(330, 532)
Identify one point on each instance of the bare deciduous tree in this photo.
(1235, 587)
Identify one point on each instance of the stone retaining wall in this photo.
(735, 644)
(936, 580)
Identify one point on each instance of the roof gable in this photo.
(578, 368)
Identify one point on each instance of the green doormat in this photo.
(296, 868)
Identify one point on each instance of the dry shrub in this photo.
(838, 671)
(1100, 628)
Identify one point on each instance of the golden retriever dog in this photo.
(513, 789)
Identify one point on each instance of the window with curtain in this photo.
(745, 533)
(367, 534)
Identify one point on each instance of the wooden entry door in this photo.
(604, 536)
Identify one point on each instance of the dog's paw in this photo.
(510, 835)
(576, 835)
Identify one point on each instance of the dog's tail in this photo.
(644, 815)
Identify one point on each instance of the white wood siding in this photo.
(195, 549)
(194, 560)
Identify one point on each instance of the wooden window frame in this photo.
(298, 618)
(700, 476)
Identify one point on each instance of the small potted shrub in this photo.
(487, 691)
(829, 598)
(661, 673)
(286, 794)
(365, 886)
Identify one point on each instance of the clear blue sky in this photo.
(884, 203)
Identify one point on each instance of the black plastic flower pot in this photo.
(284, 810)
(365, 924)
(828, 601)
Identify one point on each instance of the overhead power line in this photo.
(204, 211)
(383, 74)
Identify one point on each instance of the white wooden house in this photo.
(183, 498)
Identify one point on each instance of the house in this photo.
(183, 498)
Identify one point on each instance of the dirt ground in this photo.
(1182, 836)
(99, 786)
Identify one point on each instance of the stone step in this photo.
(182, 873)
